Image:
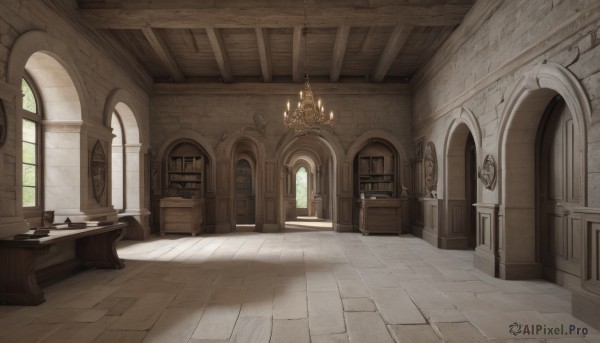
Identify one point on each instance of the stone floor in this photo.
(304, 285)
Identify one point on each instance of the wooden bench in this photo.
(95, 247)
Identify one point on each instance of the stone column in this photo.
(139, 226)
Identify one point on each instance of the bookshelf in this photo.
(376, 177)
(185, 167)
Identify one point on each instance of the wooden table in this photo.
(96, 247)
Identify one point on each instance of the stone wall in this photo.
(95, 67)
(497, 73)
(219, 120)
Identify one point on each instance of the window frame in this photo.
(37, 118)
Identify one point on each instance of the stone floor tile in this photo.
(460, 333)
(325, 313)
(396, 307)
(335, 338)
(217, 321)
(191, 298)
(291, 283)
(290, 305)
(446, 316)
(252, 330)
(358, 305)
(144, 313)
(321, 282)
(116, 306)
(367, 327)
(428, 300)
(492, 323)
(175, 325)
(258, 302)
(414, 334)
(352, 289)
(121, 337)
(290, 331)
(90, 316)
(504, 302)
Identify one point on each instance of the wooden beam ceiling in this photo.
(262, 38)
(161, 48)
(186, 17)
(218, 47)
(339, 50)
(393, 47)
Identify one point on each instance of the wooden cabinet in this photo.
(181, 215)
(379, 216)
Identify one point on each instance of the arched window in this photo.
(32, 145)
(301, 188)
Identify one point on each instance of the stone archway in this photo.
(461, 189)
(67, 189)
(518, 235)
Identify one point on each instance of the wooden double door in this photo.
(559, 192)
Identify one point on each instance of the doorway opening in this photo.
(558, 193)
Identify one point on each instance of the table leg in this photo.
(100, 250)
(18, 284)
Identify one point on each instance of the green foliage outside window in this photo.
(301, 188)
(29, 103)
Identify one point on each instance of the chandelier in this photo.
(309, 113)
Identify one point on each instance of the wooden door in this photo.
(560, 191)
(244, 193)
(471, 190)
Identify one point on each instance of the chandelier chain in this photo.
(309, 116)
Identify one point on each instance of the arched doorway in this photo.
(521, 233)
(559, 192)
(301, 191)
(460, 189)
(244, 193)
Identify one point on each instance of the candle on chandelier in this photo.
(331, 115)
(300, 94)
(284, 114)
(288, 105)
(319, 103)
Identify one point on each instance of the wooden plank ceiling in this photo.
(262, 40)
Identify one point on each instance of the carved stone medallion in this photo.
(98, 169)
(260, 122)
(430, 165)
(487, 173)
(3, 124)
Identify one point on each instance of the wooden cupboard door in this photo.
(560, 192)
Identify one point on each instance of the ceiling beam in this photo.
(264, 51)
(275, 16)
(297, 54)
(366, 45)
(191, 40)
(391, 51)
(339, 50)
(218, 47)
(161, 48)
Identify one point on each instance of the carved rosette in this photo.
(98, 168)
(431, 169)
(487, 173)
(3, 124)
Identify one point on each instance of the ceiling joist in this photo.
(339, 50)
(297, 54)
(262, 38)
(218, 47)
(161, 48)
(391, 51)
(275, 17)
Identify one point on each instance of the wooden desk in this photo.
(181, 215)
(96, 247)
(379, 216)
